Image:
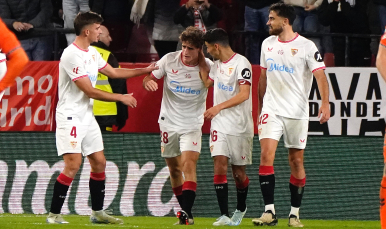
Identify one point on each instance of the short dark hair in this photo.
(218, 36)
(284, 10)
(193, 35)
(85, 19)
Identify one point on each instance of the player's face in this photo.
(94, 31)
(275, 23)
(212, 50)
(189, 53)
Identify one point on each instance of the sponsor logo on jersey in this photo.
(230, 70)
(195, 143)
(243, 157)
(174, 71)
(272, 66)
(246, 73)
(224, 87)
(187, 75)
(270, 49)
(302, 140)
(294, 51)
(176, 87)
(318, 57)
(280, 52)
(93, 78)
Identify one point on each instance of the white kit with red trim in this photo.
(227, 77)
(76, 63)
(289, 66)
(184, 94)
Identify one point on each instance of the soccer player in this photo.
(288, 61)
(10, 49)
(182, 115)
(231, 134)
(77, 132)
(381, 65)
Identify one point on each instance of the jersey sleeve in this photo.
(383, 39)
(73, 64)
(244, 74)
(213, 69)
(3, 65)
(263, 64)
(101, 62)
(314, 59)
(160, 72)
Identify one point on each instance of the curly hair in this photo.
(193, 36)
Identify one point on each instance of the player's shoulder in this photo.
(172, 55)
(240, 59)
(209, 62)
(270, 39)
(304, 41)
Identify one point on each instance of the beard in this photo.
(276, 31)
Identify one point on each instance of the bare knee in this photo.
(296, 162)
(175, 172)
(71, 168)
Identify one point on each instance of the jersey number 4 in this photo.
(73, 132)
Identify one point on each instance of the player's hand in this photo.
(324, 113)
(18, 26)
(211, 112)
(152, 67)
(309, 7)
(151, 85)
(129, 100)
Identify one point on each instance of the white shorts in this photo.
(174, 142)
(274, 126)
(73, 137)
(237, 148)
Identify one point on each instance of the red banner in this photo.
(29, 105)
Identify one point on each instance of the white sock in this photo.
(270, 207)
(294, 211)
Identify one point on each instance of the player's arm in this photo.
(381, 60)
(324, 111)
(261, 88)
(204, 70)
(17, 58)
(234, 101)
(84, 84)
(125, 73)
(150, 83)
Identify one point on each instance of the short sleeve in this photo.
(314, 59)
(244, 69)
(3, 65)
(213, 69)
(101, 62)
(160, 72)
(263, 64)
(73, 64)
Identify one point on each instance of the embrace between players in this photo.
(288, 63)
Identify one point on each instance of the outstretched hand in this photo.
(129, 100)
(152, 67)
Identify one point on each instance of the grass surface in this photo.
(29, 221)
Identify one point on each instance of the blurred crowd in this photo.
(145, 30)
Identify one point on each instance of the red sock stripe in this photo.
(98, 176)
(63, 179)
(243, 184)
(297, 182)
(220, 179)
(177, 190)
(189, 185)
(266, 170)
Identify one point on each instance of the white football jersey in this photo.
(289, 68)
(76, 63)
(3, 65)
(184, 94)
(227, 77)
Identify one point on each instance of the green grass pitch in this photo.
(29, 221)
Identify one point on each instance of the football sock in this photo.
(189, 195)
(294, 211)
(60, 192)
(382, 196)
(267, 183)
(97, 190)
(178, 193)
(297, 189)
(242, 192)
(221, 187)
(270, 207)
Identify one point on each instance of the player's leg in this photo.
(72, 162)
(382, 193)
(270, 131)
(295, 139)
(176, 178)
(92, 147)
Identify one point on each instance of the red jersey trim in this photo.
(263, 68)
(318, 69)
(103, 67)
(187, 64)
(3, 60)
(79, 77)
(210, 78)
(244, 82)
(297, 35)
(84, 50)
(229, 58)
